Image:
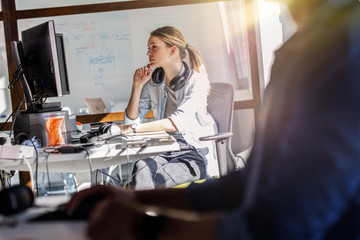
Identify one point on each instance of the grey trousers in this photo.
(169, 169)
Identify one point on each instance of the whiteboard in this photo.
(104, 49)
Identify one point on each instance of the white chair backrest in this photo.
(221, 105)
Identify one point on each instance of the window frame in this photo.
(9, 15)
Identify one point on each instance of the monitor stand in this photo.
(43, 107)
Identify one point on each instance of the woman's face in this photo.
(159, 53)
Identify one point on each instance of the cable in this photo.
(107, 159)
(2, 126)
(22, 180)
(127, 160)
(36, 167)
(36, 159)
(2, 177)
(111, 157)
(64, 150)
(89, 160)
(109, 171)
(133, 175)
(47, 171)
(16, 77)
(108, 152)
(242, 159)
(111, 177)
(31, 174)
(15, 117)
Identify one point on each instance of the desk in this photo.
(74, 230)
(59, 230)
(138, 146)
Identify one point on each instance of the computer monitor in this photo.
(21, 72)
(44, 63)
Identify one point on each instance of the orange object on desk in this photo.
(53, 128)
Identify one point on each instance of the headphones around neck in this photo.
(177, 82)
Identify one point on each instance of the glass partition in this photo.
(26, 4)
(104, 49)
(5, 102)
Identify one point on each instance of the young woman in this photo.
(177, 94)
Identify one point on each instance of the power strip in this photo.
(15, 152)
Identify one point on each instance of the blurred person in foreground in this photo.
(302, 179)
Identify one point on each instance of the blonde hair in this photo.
(173, 37)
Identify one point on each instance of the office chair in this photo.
(221, 108)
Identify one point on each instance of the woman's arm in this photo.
(141, 76)
(158, 125)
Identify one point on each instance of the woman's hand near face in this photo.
(142, 75)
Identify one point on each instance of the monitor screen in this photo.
(45, 61)
(21, 72)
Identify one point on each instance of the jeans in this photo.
(171, 168)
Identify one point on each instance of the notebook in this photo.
(95, 105)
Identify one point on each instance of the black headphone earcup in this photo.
(158, 75)
(100, 130)
(179, 81)
(104, 128)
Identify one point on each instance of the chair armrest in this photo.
(217, 137)
(221, 140)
